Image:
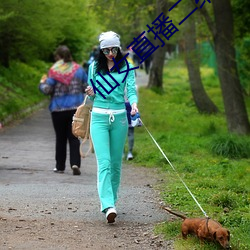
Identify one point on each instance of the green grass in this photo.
(214, 164)
(19, 88)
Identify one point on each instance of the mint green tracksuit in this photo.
(109, 131)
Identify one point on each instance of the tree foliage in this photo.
(242, 35)
(241, 18)
(32, 32)
(127, 18)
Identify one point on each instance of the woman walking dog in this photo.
(109, 123)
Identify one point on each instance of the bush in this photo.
(231, 146)
(19, 88)
(224, 200)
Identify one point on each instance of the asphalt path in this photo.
(26, 177)
(31, 190)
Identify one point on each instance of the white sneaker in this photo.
(130, 156)
(111, 214)
(76, 170)
(58, 171)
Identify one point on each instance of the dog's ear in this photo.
(228, 237)
(214, 235)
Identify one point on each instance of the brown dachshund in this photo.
(204, 229)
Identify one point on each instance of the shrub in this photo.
(231, 146)
(223, 200)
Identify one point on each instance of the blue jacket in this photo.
(65, 97)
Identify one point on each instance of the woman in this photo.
(109, 123)
(65, 83)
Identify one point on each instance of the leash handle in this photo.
(90, 149)
(174, 169)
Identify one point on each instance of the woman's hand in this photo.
(89, 91)
(134, 109)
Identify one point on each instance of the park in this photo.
(193, 101)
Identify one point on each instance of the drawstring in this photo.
(111, 117)
(109, 112)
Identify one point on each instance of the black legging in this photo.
(62, 122)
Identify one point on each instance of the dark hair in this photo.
(64, 53)
(102, 66)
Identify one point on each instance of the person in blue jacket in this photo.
(109, 124)
(65, 83)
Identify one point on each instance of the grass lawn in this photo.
(214, 164)
(19, 88)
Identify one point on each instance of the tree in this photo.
(128, 19)
(242, 33)
(241, 17)
(201, 99)
(28, 33)
(223, 38)
(23, 33)
(156, 71)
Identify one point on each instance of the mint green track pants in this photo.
(108, 138)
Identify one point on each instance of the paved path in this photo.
(30, 190)
(26, 163)
(27, 160)
(141, 78)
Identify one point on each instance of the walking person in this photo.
(130, 133)
(109, 123)
(65, 84)
(131, 129)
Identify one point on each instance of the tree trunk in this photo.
(156, 71)
(235, 109)
(201, 99)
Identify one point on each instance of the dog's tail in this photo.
(175, 213)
